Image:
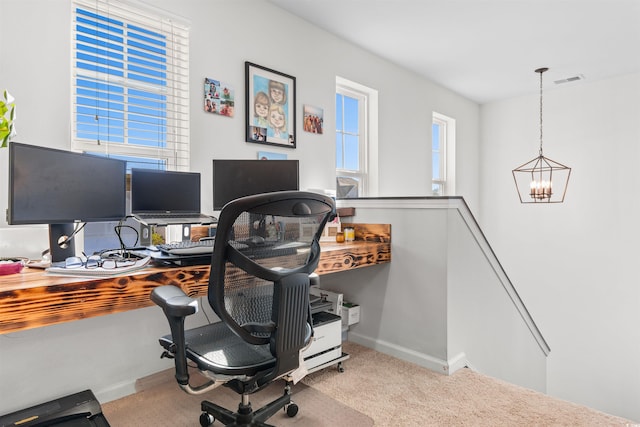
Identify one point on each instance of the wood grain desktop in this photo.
(33, 298)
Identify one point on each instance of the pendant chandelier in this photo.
(541, 180)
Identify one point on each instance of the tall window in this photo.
(130, 91)
(356, 140)
(442, 155)
(130, 84)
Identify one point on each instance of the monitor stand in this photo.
(59, 247)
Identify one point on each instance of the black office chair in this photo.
(266, 246)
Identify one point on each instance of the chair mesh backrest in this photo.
(248, 298)
(273, 241)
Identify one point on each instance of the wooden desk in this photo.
(33, 298)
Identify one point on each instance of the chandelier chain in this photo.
(541, 112)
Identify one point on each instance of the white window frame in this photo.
(176, 153)
(446, 144)
(367, 173)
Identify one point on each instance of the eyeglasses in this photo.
(95, 261)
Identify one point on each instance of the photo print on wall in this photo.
(218, 97)
(313, 118)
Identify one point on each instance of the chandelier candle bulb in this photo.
(540, 189)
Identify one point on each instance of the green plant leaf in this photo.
(6, 124)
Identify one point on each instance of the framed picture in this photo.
(271, 106)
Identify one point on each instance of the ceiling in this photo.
(487, 50)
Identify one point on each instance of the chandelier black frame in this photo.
(535, 179)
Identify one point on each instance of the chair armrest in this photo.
(176, 306)
(174, 301)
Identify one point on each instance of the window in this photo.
(130, 84)
(130, 92)
(356, 140)
(442, 155)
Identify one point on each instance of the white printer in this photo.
(326, 349)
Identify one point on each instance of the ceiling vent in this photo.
(569, 79)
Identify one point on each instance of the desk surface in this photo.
(33, 298)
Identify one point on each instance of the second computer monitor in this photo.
(233, 179)
(164, 191)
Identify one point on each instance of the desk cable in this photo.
(118, 229)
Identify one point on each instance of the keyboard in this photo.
(201, 247)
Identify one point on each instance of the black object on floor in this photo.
(76, 410)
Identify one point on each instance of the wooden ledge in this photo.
(32, 298)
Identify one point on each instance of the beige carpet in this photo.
(389, 391)
(398, 393)
(160, 402)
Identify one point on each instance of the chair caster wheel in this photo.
(292, 410)
(206, 419)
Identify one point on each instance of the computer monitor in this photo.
(60, 188)
(233, 179)
(156, 191)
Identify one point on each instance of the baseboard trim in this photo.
(458, 362)
(446, 367)
(116, 391)
(126, 388)
(433, 363)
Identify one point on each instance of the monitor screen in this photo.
(238, 178)
(50, 186)
(154, 191)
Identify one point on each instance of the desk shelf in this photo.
(32, 298)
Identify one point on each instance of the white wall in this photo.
(33, 71)
(439, 303)
(486, 326)
(574, 264)
(35, 66)
(404, 303)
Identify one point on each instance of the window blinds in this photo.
(130, 83)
